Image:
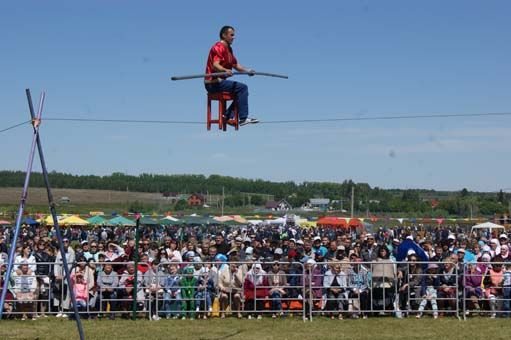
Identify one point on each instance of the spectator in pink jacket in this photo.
(81, 290)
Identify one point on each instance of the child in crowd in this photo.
(204, 292)
(188, 287)
(172, 292)
(81, 291)
(430, 284)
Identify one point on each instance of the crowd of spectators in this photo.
(257, 270)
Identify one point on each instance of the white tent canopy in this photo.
(170, 218)
(488, 225)
(255, 222)
(280, 221)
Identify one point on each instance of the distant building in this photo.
(172, 197)
(65, 200)
(281, 205)
(317, 204)
(321, 203)
(196, 200)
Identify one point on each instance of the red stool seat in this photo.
(222, 98)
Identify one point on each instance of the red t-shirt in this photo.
(223, 54)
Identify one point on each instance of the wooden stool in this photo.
(222, 98)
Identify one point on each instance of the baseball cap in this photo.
(190, 254)
(278, 251)
(221, 257)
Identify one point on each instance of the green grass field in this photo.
(296, 329)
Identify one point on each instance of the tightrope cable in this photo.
(290, 121)
(15, 126)
(287, 121)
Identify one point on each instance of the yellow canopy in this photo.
(222, 218)
(73, 220)
(48, 220)
(306, 224)
(239, 219)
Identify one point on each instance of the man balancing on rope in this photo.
(222, 59)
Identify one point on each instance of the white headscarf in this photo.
(256, 278)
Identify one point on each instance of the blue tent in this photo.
(29, 221)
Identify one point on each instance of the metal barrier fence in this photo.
(215, 289)
(360, 289)
(252, 289)
(34, 294)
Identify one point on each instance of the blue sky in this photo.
(113, 60)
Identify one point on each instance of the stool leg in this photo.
(220, 115)
(208, 123)
(236, 116)
(222, 112)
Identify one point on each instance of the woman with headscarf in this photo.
(255, 289)
(335, 284)
(472, 283)
(313, 283)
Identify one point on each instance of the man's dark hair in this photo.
(224, 30)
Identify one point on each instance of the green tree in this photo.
(181, 205)
(501, 197)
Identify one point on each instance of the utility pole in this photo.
(352, 200)
(223, 200)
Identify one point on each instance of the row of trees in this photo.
(372, 200)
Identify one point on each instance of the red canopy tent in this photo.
(355, 223)
(332, 221)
